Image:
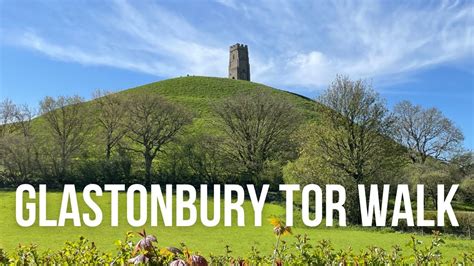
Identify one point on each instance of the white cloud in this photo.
(74, 54)
(301, 44)
(228, 3)
(152, 41)
(371, 41)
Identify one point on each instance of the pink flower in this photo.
(197, 260)
(179, 262)
(138, 259)
(146, 243)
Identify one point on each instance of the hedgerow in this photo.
(302, 252)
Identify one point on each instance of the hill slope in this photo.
(200, 94)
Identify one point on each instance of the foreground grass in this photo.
(198, 237)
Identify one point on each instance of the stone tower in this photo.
(239, 67)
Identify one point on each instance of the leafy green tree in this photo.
(204, 157)
(354, 126)
(431, 174)
(258, 126)
(463, 164)
(153, 122)
(466, 190)
(348, 144)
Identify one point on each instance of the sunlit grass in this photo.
(198, 237)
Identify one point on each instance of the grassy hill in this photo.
(200, 94)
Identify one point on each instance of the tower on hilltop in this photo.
(239, 67)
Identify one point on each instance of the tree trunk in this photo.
(148, 162)
(63, 165)
(107, 152)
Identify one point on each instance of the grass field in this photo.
(198, 238)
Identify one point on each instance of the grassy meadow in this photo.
(198, 237)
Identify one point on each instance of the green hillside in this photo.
(200, 94)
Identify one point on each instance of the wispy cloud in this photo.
(291, 43)
(367, 40)
(228, 3)
(152, 41)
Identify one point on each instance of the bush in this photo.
(303, 252)
(466, 190)
(115, 170)
(465, 228)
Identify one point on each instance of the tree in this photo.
(17, 139)
(8, 111)
(425, 132)
(466, 190)
(353, 129)
(203, 156)
(348, 144)
(431, 174)
(152, 123)
(111, 112)
(68, 124)
(258, 126)
(463, 164)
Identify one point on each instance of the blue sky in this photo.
(415, 50)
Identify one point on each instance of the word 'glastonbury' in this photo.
(180, 202)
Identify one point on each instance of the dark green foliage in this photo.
(113, 171)
(466, 188)
(204, 157)
(465, 228)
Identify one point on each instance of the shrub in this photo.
(302, 252)
(466, 190)
(465, 220)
